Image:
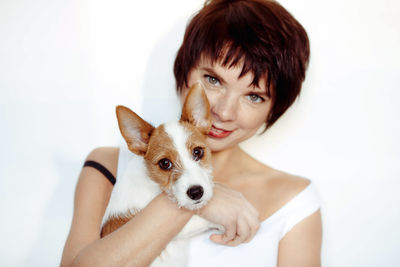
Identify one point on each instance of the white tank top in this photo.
(263, 249)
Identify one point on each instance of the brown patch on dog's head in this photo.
(196, 140)
(161, 148)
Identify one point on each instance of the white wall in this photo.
(64, 65)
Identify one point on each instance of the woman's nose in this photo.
(225, 108)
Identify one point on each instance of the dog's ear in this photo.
(134, 129)
(196, 109)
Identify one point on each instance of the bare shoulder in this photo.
(281, 187)
(92, 194)
(285, 185)
(107, 156)
(269, 189)
(93, 188)
(301, 246)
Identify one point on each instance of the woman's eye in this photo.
(212, 80)
(165, 164)
(198, 153)
(255, 98)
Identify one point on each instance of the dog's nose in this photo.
(195, 192)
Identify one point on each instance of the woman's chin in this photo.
(217, 145)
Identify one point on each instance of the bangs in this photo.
(232, 55)
(231, 35)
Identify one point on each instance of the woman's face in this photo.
(238, 109)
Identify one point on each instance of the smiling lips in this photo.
(218, 133)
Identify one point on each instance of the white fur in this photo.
(193, 173)
(134, 190)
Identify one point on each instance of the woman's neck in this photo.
(226, 163)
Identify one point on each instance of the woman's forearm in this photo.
(140, 240)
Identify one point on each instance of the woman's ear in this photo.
(196, 108)
(134, 129)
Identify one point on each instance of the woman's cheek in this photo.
(212, 96)
(252, 118)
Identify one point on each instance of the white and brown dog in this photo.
(173, 158)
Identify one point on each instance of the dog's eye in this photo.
(165, 164)
(198, 153)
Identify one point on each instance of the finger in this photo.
(254, 225)
(254, 211)
(217, 238)
(230, 233)
(240, 235)
(234, 242)
(243, 230)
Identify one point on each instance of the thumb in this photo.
(217, 238)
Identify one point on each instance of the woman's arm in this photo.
(140, 240)
(301, 246)
(143, 238)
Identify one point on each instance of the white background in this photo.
(65, 65)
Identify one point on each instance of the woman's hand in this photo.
(232, 210)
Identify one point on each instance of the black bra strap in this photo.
(102, 169)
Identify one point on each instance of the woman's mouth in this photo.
(218, 133)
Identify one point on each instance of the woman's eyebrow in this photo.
(257, 90)
(214, 74)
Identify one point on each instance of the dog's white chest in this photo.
(132, 191)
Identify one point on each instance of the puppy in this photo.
(172, 158)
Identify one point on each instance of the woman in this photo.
(252, 57)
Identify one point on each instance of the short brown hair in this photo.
(261, 34)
